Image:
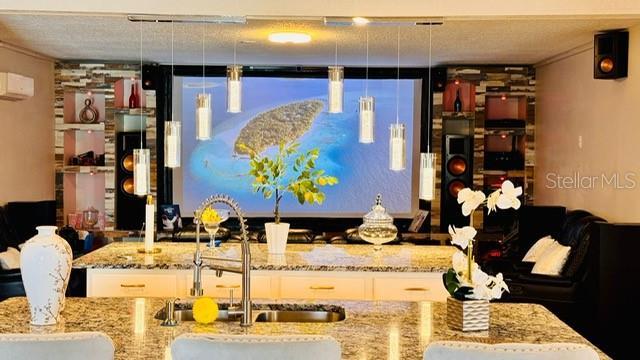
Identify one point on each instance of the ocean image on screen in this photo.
(219, 166)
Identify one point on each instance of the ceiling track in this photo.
(328, 21)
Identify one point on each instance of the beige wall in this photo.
(606, 115)
(26, 133)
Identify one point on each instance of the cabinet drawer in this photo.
(219, 287)
(132, 285)
(293, 287)
(409, 289)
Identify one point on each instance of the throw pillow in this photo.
(10, 259)
(538, 249)
(552, 261)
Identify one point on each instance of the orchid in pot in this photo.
(287, 171)
(470, 287)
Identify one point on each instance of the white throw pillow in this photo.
(552, 261)
(537, 249)
(10, 259)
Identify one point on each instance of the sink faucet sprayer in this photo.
(245, 262)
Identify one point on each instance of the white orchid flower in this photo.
(509, 196)
(480, 292)
(470, 200)
(459, 262)
(462, 236)
(499, 286)
(480, 277)
(492, 201)
(460, 266)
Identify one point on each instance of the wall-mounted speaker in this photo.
(149, 77)
(457, 174)
(439, 79)
(611, 55)
(129, 207)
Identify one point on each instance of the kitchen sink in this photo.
(302, 316)
(187, 315)
(277, 313)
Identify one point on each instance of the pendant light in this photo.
(397, 134)
(141, 156)
(172, 129)
(234, 84)
(367, 108)
(336, 85)
(428, 159)
(203, 102)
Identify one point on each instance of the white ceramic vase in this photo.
(277, 235)
(45, 264)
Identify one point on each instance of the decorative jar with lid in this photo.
(377, 227)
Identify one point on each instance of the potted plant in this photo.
(470, 288)
(287, 171)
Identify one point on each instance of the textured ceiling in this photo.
(113, 37)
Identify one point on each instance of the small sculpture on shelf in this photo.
(90, 218)
(89, 113)
(87, 159)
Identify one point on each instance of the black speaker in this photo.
(439, 79)
(149, 77)
(129, 207)
(457, 174)
(611, 55)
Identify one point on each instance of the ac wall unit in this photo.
(15, 87)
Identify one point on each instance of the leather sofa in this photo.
(568, 295)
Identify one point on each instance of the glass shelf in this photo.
(76, 169)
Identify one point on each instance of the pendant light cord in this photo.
(203, 35)
(172, 63)
(398, 80)
(336, 51)
(430, 95)
(141, 125)
(235, 49)
(366, 82)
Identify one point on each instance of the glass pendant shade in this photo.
(172, 140)
(367, 119)
(397, 147)
(141, 172)
(203, 117)
(427, 176)
(234, 88)
(336, 89)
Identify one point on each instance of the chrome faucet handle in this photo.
(169, 313)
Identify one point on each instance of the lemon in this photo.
(205, 310)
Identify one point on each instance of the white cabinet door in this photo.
(220, 287)
(322, 287)
(130, 283)
(418, 287)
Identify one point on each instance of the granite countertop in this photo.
(372, 330)
(301, 257)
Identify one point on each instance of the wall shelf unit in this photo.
(81, 185)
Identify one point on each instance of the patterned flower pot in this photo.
(45, 264)
(468, 315)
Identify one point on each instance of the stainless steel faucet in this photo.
(245, 262)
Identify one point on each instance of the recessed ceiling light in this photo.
(360, 21)
(289, 37)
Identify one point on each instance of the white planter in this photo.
(45, 264)
(277, 235)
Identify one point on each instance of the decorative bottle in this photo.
(457, 104)
(133, 98)
(45, 265)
